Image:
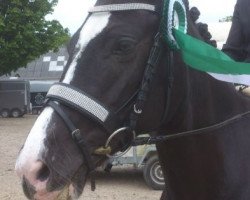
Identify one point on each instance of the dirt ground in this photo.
(122, 184)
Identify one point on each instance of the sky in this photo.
(71, 14)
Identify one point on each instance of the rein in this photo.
(200, 131)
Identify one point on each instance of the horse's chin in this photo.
(70, 191)
(75, 188)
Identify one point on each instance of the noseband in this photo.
(72, 97)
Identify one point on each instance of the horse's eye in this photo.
(124, 46)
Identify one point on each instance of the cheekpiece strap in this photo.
(123, 7)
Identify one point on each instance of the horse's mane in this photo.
(201, 27)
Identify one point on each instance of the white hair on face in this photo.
(35, 141)
(94, 25)
(34, 144)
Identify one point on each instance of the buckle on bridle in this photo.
(76, 134)
(106, 150)
(137, 111)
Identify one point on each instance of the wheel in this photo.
(153, 174)
(39, 99)
(5, 113)
(16, 113)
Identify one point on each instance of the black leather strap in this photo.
(62, 114)
(77, 137)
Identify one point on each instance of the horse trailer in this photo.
(142, 157)
(14, 98)
(38, 92)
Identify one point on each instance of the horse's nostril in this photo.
(43, 173)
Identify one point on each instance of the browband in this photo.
(123, 7)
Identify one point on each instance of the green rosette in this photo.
(174, 16)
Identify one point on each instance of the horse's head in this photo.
(99, 87)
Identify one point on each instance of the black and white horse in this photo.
(98, 94)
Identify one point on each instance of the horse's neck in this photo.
(203, 166)
(205, 101)
(208, 166)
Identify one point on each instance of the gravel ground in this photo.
(124, 183)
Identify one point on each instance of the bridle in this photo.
(72, 97)
(68, 95)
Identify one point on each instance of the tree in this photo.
(226, 19)
(25, 34)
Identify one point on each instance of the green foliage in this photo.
(226, 19)
(25, 34)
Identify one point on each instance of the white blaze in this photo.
(95, 25)
(34, 144)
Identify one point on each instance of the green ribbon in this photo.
(172, 9)
(201, 56)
